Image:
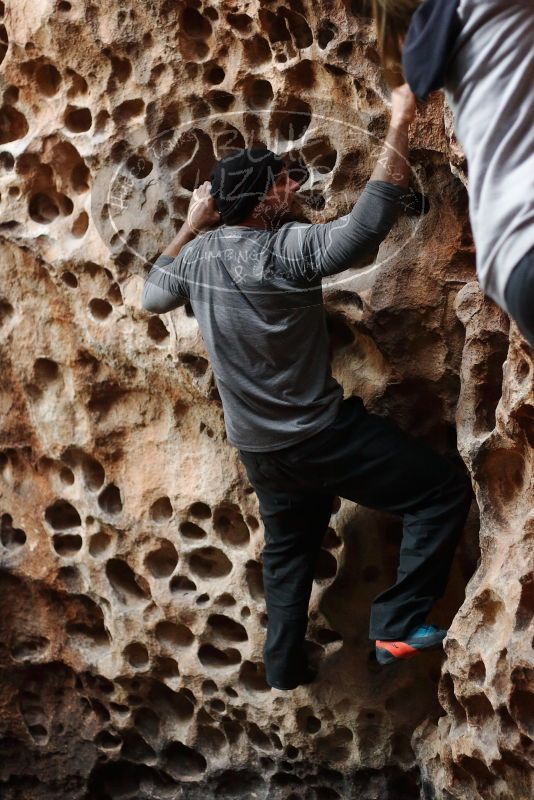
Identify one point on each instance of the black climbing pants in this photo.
(519, 295)
(369, 460)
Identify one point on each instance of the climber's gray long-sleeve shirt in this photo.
(257, 297)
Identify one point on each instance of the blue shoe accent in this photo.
(425, 631)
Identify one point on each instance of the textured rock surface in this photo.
(133, 614)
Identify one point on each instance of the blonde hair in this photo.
(392, 18)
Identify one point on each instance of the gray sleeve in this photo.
(164, 287)
(313, 251)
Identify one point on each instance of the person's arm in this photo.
(392, 165)
(314, 251)
(184, 235)
(165, 288)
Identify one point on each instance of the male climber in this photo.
(254, 284)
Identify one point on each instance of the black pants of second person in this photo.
(519, 296)
(369, 460)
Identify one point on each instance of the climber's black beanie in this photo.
(241, 179)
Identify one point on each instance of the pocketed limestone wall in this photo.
(133, 613)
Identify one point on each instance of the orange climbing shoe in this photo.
(425, 637)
